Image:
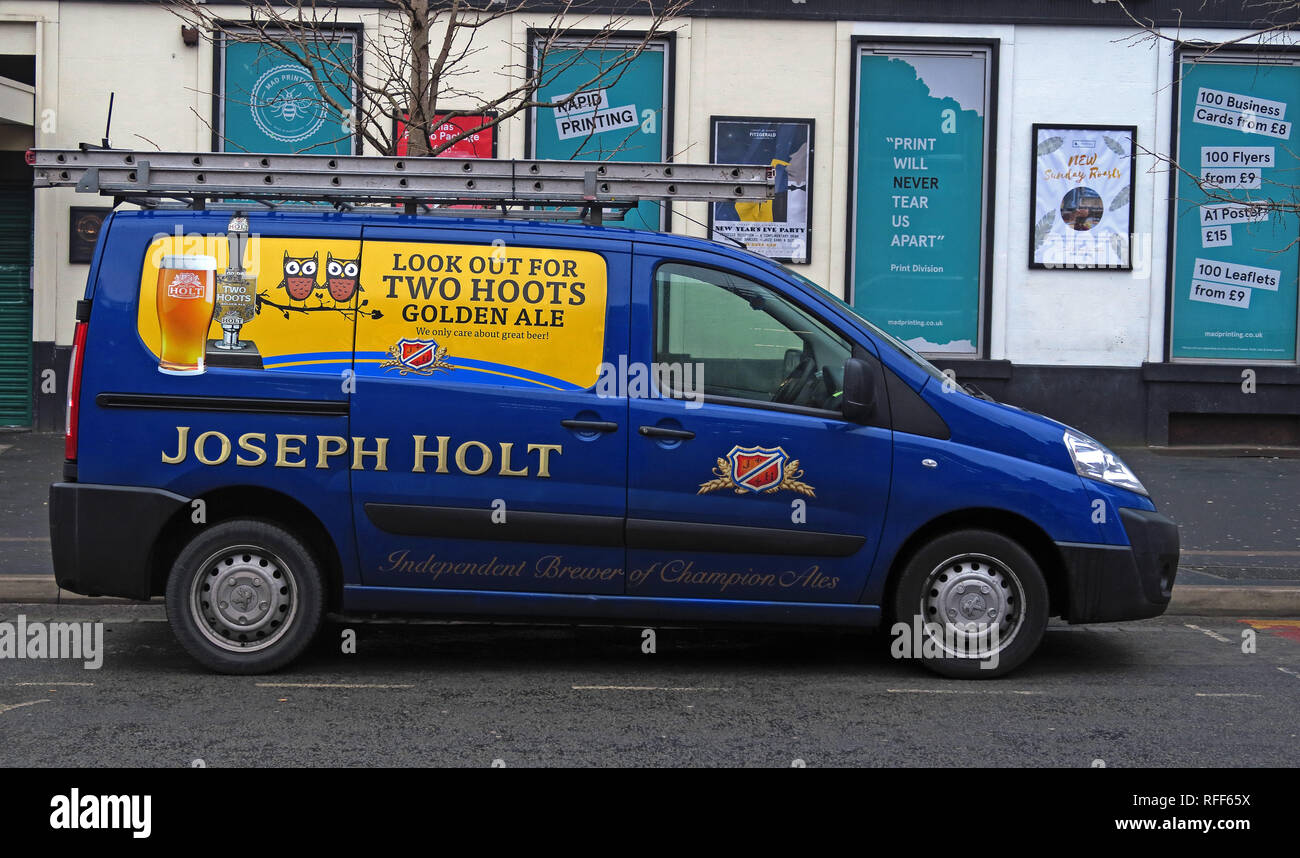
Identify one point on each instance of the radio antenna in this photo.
(109, 123)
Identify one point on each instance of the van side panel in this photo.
(253, 429)
(971, 478)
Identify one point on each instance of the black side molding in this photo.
(241, 404)
(476, 523)
(605, 530)
(737, 539)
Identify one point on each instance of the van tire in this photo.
(960, 578)
(274, 597)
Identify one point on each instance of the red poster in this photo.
(479, 144)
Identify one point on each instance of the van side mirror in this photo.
(859, 391)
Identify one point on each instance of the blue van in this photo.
(469, 418)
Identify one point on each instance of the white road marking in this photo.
(1295, 673)
(644, 688)
(956, 691)
(327, 685)
(1224, 694)
(5, 707)
(1241, 552)
(47, 684)
(1209, 633)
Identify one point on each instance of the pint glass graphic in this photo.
(186, 296)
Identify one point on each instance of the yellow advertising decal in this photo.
(493, 314)
(518, 316)
(291, 304)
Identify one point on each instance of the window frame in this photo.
(856, 349)
(991, 47)
(1244, 54)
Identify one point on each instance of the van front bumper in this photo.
(103, 537)
(1105, 583)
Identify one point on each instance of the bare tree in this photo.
(1269, 24)
(421, 55)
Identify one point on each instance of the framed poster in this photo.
(481, 143)
(1235, 243)
(84, 223)
(1081, 193)
(778, 228)
(265, 101)
(920, 207)
(622, 111)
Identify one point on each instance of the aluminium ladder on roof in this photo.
(224, 179)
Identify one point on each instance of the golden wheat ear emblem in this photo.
(757, 470)
(419, 357)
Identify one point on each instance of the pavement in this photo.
(1173, 691)
(1238, 513)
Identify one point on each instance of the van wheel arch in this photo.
(232, 502)
(1015, 527)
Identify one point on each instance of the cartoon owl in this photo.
(300, 275)
(341, 277)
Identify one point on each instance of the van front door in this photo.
(484, 457)
(745, 480)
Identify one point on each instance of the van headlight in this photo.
(1095, 462)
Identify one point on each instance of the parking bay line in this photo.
(959, 691)
(644, 688)
(329, 685)
(1209, 633)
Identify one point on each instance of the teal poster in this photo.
(619, 112)
(270, 103)
(918, 198)
(1235, 260)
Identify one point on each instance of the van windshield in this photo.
(894, 341)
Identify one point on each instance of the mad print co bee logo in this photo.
(285, 104)
(757, 470)
(421, 357)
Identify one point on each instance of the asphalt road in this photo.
(1166, 692)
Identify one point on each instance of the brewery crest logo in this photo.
(286, 105)
(421, 357)
(757, 470)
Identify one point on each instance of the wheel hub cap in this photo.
(244, 598)
(978, 600)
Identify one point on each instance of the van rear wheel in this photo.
(245, 596)
(980, 600)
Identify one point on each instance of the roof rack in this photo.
(237, 180)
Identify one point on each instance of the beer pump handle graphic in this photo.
(236, 291)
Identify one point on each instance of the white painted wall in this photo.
(724, 67)
(1099, 318)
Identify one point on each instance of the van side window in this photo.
(744, 340)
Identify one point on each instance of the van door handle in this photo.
(590, 425)
(661, 432)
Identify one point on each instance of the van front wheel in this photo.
(980, 603)
(245, 596)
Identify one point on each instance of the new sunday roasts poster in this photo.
(1082, 188)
